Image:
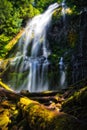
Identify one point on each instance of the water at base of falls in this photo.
(33, 53)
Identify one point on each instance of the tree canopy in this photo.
(13, 16)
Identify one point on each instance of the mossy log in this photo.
(41, 94)
(5, 86)
(45, 97)
(11, 44)
(40, 118)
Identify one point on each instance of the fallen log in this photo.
(41, 94)
(3, 85)
(8, 95)
(40, 118)
(48, 99)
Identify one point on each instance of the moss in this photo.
(31, 115)
(72, 38)
(5, 86)
(65, 122)
(77, 104)
(11, 44)
(15, 79)
(40, 118)
(4, 119)
(3, 64)
(9, 73)
(8, 114)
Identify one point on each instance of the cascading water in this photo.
(63, 10)
(62, 68)
(34, 39)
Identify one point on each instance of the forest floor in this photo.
(49, 110)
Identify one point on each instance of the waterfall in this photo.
(64, 7)
(62, 66)
(33, 52)
(63, 10)
(62, 69)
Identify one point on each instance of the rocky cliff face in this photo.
(79, 58)
(68, 39)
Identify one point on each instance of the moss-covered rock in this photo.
(77, 104)
(8, 113)
(4, 118)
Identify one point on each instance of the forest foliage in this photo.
(15, 14)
